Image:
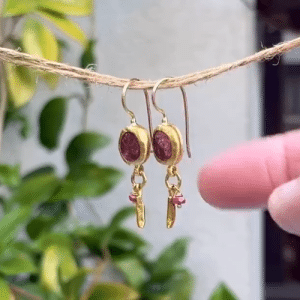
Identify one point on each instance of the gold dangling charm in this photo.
(134, 147)
(137, 194)
(168, 150)
(175, 198)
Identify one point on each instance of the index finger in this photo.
(245, 176)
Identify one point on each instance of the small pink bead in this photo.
(178, 200)
(132, 198)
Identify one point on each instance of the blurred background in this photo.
(153, 39)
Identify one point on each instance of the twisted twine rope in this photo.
(24, 59)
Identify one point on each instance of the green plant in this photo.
(43, 245)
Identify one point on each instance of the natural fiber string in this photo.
(24, 59)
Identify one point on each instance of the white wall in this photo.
(154, 39)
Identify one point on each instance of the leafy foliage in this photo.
(47, 259)
(21, 84)
(88, 57)
(39, 41)
(52, 121)
(222, 292)
(113, 291)
(14, 116)
(83, 146)
(66, 25)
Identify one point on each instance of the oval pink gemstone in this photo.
(130, 147)
(162, 145)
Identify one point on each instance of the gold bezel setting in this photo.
(143, 139)
(175, 138)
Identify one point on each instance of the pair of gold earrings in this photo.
(135, 145)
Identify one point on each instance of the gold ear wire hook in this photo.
(133, 120)
(153, 96)
(187, 131)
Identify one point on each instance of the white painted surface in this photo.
(153, 39)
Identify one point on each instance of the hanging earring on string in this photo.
(168, 150)
(134, 147)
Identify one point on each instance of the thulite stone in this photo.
(162, 146)
(132, 198)
(129, 147)
(178, 200)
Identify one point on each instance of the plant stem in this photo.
(101, 265)
(3, 102)
(19, 291)
(85, 102)
(93, 21)
(3, 94)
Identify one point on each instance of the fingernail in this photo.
(289, 190)
(284, 206)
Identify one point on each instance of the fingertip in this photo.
(284, 206)
(246, 175)
(206, 186)
(235, 179)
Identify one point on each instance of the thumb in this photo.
(284, 206)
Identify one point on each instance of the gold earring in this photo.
(168, 150)
(134, 147)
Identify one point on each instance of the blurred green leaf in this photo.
(72, 289)
(39, 225)
(25, 126)
(57, 209)
(24, 247)
(83, 146)
(32, 288)
(92, 237)
(10, 175)
(87, 180)
(51, 79)
(21, 84)
(11, 222)
(69, 27)
(38, 40)
(178, 286)
(115, 223)
(52, 119)
(127, 241)
(182, 285)
(121, 216)
(113, 291)
(4, 204)
(132, 268)
(5, 293)
(53, 239)
(40, 171)
(222, 292)
(36, 189)
(14, 116)
(59, 259)
(170, 258)
(69, 7)
(49, 270)
(49, 216)
(18, 7)
(14, 262)
(88, 57)
(68, 265)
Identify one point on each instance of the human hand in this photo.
(260, 174)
